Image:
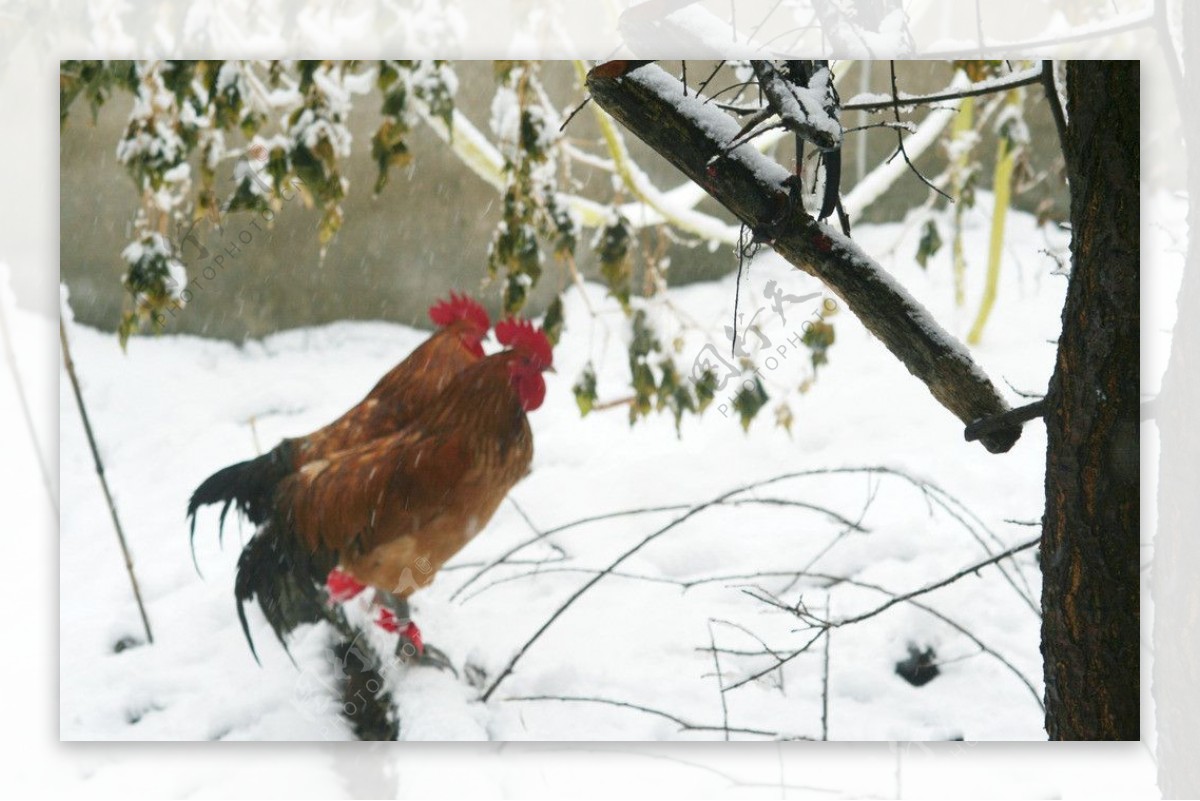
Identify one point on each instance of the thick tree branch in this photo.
(694, 137)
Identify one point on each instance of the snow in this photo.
(634, 637)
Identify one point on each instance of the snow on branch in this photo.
(695, 138)
(957, 90)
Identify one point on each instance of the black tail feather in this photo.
(247, 486)
(287, 580)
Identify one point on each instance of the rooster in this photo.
(388, 513)
(404, 392)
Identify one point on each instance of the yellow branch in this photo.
(1002, 185)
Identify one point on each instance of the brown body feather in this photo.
(406, 392)
(395, 509)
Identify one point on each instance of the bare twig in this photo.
(683, 724)
(613, 404)
(830, 580)
(1056, 109)
(919, 100)
(574, 111)
(720, 681)
(825, 680)
(966, 571)
(780, 662)
(112, 507)
(900, 139)
(506, 556)
(503, 558)
(823, 627)
(694, 510)
(704, 84)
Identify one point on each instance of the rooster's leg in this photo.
(394, 616)
(340, 586)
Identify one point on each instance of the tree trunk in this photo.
(1089, 553)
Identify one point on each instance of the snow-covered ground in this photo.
(175, 408)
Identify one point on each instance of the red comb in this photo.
(459, 307)
(520, 335)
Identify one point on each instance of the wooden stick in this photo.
(112, 507)
(695, 139)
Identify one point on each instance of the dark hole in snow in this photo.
(126, 643)
(919, 669)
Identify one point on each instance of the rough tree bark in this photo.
(1089, 552)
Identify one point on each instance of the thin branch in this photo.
(831, 580)
(720, 682)
(974, 90)
(508, 669)
(704, 84)
(1056, 109)
(823, 627)
(825, 680)
(505, 557)
(957, 627)
(780, 662)
(966, 571)
(112, 507)
(574, 111)
(683, 724)
(900, 139)
(613, 404)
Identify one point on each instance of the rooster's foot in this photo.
(428, 656)
(411, 648)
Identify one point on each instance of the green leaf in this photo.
(930, 244)
(515, 293)
(706, 389)
(819, 338)
(389, 149)
(644, 341)
(552, 323)
(585, 390)
(784, 417)
(749, 401)
(612, 246)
